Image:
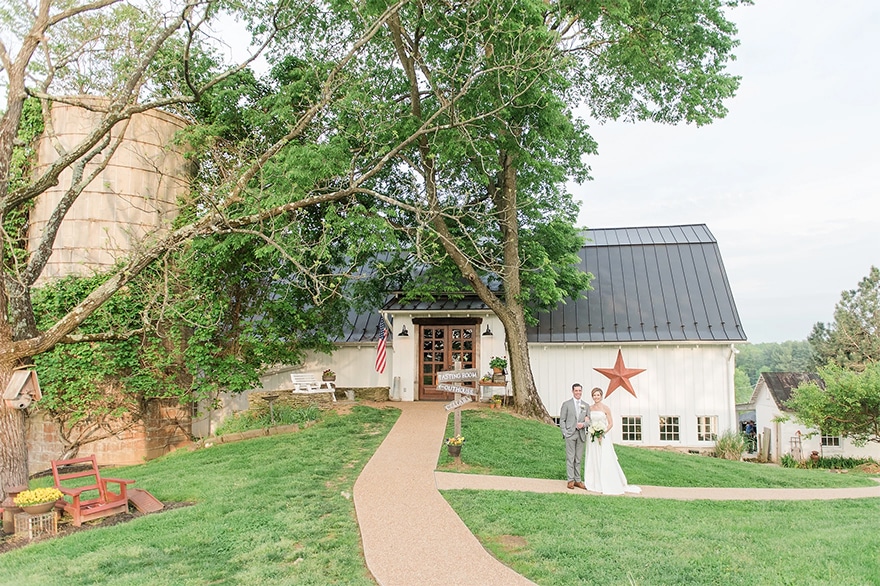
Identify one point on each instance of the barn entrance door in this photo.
(442, 344)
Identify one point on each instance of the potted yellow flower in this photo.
(38, 500)
(328, 375)
(453, 445)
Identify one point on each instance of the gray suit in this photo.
(575, 439)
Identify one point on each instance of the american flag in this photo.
(380, 347)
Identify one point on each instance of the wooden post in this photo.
(456, 418)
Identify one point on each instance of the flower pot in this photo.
(39, 509)
(454, 451)
(497, 369)
(328, 378)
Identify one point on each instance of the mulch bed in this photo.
(65, 527)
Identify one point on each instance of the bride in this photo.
(602, 473)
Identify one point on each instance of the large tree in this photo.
(136, 59)
(852, 340)
(450, 121)
(280, 160)
(491, 193)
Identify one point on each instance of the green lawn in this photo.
(590, 539)
(498, 443)
(273, 510)
(278, 510)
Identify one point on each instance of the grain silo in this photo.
(133, 198)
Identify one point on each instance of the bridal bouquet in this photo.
(596, 431)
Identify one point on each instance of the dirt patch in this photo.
(870, 468)
(345, 407)
(512, 543)
(65, 527)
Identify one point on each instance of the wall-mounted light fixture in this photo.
(488, 332)
(403, 332)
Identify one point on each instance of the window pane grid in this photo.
(631, 429)
(707, 427)
(669, 429)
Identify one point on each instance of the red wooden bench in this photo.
(89, 496)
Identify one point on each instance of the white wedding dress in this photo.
(602, 472)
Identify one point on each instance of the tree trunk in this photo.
(525, 394)
(13, 447)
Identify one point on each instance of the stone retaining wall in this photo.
(165, 427)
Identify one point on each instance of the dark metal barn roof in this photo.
(663, 283)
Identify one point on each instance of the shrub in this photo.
(730, 446)
(843, 463)
(788, 461)
(284, 415)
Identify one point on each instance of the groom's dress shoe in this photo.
(571, 484)
(580, 485)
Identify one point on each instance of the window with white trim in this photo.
(669, 429)
(707, 428)
(631, 428)
(831, 441)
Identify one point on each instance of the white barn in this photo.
(787, 436)
(660, 300)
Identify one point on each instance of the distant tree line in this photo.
(753, 359)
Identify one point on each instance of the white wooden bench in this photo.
(306, 384)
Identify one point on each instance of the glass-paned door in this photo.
(441, 347)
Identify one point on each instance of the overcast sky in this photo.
(787, 182)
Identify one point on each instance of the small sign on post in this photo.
(456, 389)
(457, 376)
(456, 404)
(448, 376)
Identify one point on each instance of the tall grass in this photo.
(730, 445)
(281, 415)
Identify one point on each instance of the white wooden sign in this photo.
(456, 389)
(458, 403)
(448, 376)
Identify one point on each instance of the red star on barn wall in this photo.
(620, 376)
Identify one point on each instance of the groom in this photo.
(573, 422)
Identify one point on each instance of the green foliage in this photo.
(843, 462)
(283, 415)
(790, 356)
(826, 462)
(24, 153)
(788, 461)
(730, 445)
(849, 405)
(214, 324)
(91, 379)
(663, 62)
(852, 340)
(742, 385)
